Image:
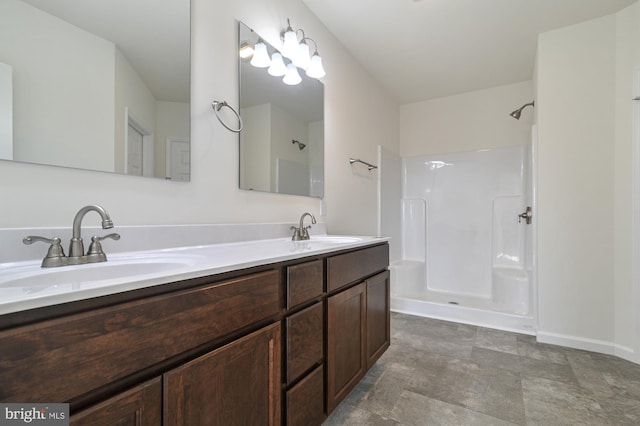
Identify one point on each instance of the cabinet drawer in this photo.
(354, 266)
(73, 355)
(305, 401)
(304, 282)
(304, 341)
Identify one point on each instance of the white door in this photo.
(178, 159)
(134, 152)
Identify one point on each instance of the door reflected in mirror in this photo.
(96, 84)
(282, 142)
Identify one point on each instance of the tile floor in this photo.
(444, 373)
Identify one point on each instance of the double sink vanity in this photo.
(270, 331)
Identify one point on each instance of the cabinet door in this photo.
(140, 406)
(237, 384)
(346, 357)
(378, 320)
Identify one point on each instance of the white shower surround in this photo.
(464, 255)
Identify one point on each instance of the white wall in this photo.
(255, 147)
(627, 59)
(62, 53)
(359, 117)
(576, 140)
(467, 122)
(357, 120)
(390, 187)
(587, 294)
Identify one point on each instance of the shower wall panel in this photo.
(472, 200)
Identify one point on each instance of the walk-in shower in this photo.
(466, 238)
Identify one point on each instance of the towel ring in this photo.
(217, 106)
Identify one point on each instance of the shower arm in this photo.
(516, 114)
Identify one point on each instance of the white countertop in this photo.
(25, 285)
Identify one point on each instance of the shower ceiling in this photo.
(424, 49)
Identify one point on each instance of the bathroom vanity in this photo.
(270, 343)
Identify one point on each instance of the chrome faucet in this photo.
(302, 232)
(55, 255)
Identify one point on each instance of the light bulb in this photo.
(277, 68)
(292, 77)
(290, 44)
(260, 56)
(246, 51)
(316, 69)
(302, 59)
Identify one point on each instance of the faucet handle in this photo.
(113, 236)
(95, 253)
(55, 255)
(297, 233)
(305, 232)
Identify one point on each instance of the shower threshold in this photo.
(474, 315)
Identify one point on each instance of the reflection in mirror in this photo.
(282, 142)
(96, 84)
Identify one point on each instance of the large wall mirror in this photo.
(282, 142)
(96, 84)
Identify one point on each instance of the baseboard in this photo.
(587, 344)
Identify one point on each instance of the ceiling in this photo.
(425, 49)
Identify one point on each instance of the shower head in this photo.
(300, 144)
(517, 113)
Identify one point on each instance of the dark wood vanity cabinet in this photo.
(277, 344)
(358, 323)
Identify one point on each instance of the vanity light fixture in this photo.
(246, 50)
(277, 68)
(292, 77)
(290, 44)
(316, 70)
(303, 58)
(260, 56)
(298, 52)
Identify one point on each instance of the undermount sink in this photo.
(324, 242)
(85, 275)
